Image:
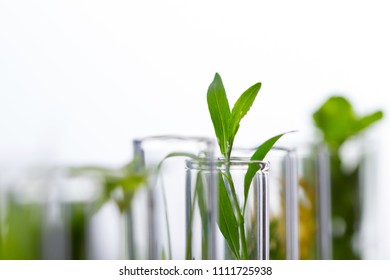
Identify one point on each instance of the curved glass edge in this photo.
(235, 163)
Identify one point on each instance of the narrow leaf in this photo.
(219, 112)
(189, 229)
(175, 154)
(241, 108)
(259, 154)
(203, 214)
(227, 220)
(171, 155)
(367, 121)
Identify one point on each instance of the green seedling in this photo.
(226, 124)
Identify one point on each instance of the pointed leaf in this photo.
(259, 154)
(219, 111)
(175, 154)
(227, 220)
(241, 108)
(367, 121)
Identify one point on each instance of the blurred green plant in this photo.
(119, 185)
(338, 122)
(21, 231)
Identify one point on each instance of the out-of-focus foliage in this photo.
(24, 225)
(277, 239)
(338, 122)
(21, 232)
(118, 184)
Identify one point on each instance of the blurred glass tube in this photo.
(314, 201)
(164, 158)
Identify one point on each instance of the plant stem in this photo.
(240, 216)
(243, 238)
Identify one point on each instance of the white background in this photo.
(80, 79)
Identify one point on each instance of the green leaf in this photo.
(203, 215)
(367, 121)
(241, 108)
(158, 169)
(227, 221)
(338, 121)
(131, 183)
(219, 112)
(199, 196)
(176, 154)
(259, 154)
(335, 118)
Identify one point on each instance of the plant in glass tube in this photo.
(226, 123)
(339, 123)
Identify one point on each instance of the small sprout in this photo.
(226, 124)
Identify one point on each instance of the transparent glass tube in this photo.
(314, 202)
(164, 159)
(283, 201)
(242, 216)
(300, 184)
